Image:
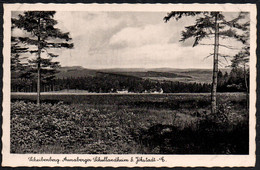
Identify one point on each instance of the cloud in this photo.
(129, 39)
(163, 55)
(80, 23)
(91, 31)
(100, 34)
(140, 36)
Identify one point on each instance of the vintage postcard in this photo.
(129, 85)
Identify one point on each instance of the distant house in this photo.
(122, 91)
(158, 92)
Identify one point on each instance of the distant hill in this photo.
(119, 70)
(75, 71)
(170, 74)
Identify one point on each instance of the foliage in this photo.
(19, 70)
(232, 82)
(112, 84)
(119, 125)
(241, 59)
(43, 36)
(210, 24)
(204, 26)
(63, 125)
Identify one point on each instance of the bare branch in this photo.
(207, 56)
(229, 47)
(206, 44)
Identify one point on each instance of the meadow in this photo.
(129, 124)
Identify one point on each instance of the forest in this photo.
(111, 83)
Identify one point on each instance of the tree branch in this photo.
(229, 47)
(207, 56)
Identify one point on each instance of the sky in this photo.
(131, 40)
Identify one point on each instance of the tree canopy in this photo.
(211, 25)
(44, 36)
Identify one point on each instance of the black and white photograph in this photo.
(129, 85)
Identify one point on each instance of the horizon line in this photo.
(141, 68)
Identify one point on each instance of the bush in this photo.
(90, 130)
(225, 119)
(226, 132)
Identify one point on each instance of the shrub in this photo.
(34, 126)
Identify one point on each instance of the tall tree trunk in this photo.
(247, 90)
(215, 68)
(39, 66)
(38, 79)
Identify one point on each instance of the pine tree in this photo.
(18, 68)
(20, 72)
(242, 58)
(44, 36)
(209, 24)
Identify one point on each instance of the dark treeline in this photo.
(111, 83)
(234, 81)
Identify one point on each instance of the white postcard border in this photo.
(13, 160)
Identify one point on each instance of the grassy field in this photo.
(129, 124)
(130, 98)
